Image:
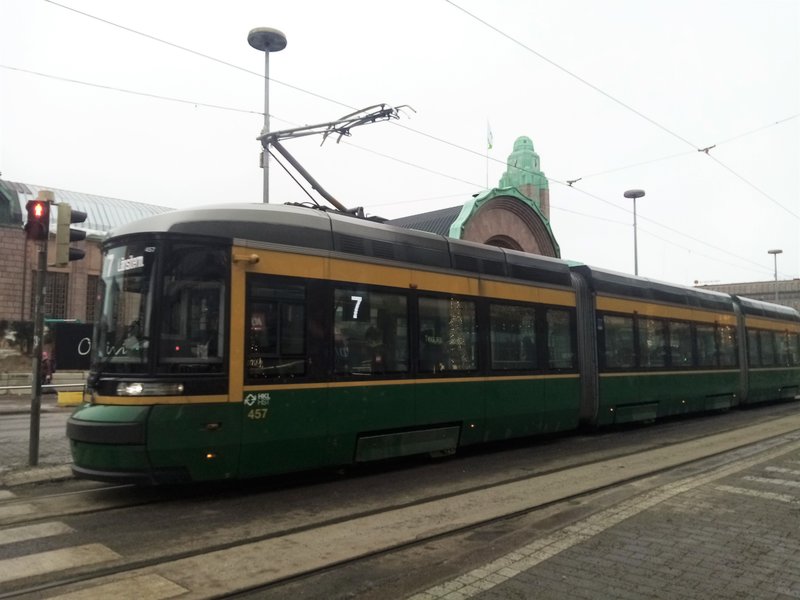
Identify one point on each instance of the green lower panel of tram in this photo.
(520, 408)
(162, 443)
(627, 398)
(109, 440)
(288, 430)
(110, 458)
(292, 429)
(766, 385)
(203, 439)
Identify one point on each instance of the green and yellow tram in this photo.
(247, 340)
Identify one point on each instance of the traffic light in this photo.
(65, 234)
(37, 227)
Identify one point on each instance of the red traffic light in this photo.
(37, 227)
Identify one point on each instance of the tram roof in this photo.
(620, 284)
(309, 228)
(766, 309)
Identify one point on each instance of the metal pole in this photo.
(775, 253)
(266, 40)
(38, 334)
(634, 194)
(775, 256)
(635, 243)
(265, 152)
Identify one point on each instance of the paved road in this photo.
(15, 433)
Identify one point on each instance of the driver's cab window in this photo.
(193, 309)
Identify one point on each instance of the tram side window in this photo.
(753, 353)
(727, 346)
(706, 346)
(618, 348)
(447, 335)
(512, 334)
(560, 349)
(680, 344)
(793, 348)
(193, 309)
(652, 343)
(768, 354)
(370, 332)
(276, 340)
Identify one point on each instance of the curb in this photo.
(50, 473)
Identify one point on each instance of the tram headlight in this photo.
(149, 388)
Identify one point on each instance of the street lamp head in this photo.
(776, 251)
(634, 194)
(266, 39)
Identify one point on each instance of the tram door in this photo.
(284, 423)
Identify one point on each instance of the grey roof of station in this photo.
(437, 221)
(103, 213)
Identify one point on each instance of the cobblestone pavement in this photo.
(15, 438)
(733, 532)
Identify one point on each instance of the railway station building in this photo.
(71, 291)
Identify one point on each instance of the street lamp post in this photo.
(775, 253)
(635, 194)
(267, 40)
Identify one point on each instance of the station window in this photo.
(447, 335)
(276, 343)
(370, 332)
(618, 350)
(727, 346)
(512, 335)
(560, 349)
(652, 343)
(706, 346)
(680, 344)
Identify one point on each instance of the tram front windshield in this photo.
(163, 309)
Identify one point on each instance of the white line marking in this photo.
(508, 566)
(152, 587)
(772, 481)
(54, 560)
(783, 471)
(16, 510)
(33, 532)
(758, 494)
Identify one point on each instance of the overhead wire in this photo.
(134, 92)
(405, 162)
(616, 100)
(430, 136)
(571, 74)
(196, 53)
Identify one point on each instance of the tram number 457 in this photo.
(257, 413)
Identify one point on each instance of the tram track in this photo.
(92, 500)
(509, 498)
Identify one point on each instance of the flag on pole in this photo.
(489, 136)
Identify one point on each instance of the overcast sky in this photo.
(598, 85)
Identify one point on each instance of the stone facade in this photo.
(18, 276)
(12, 269)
